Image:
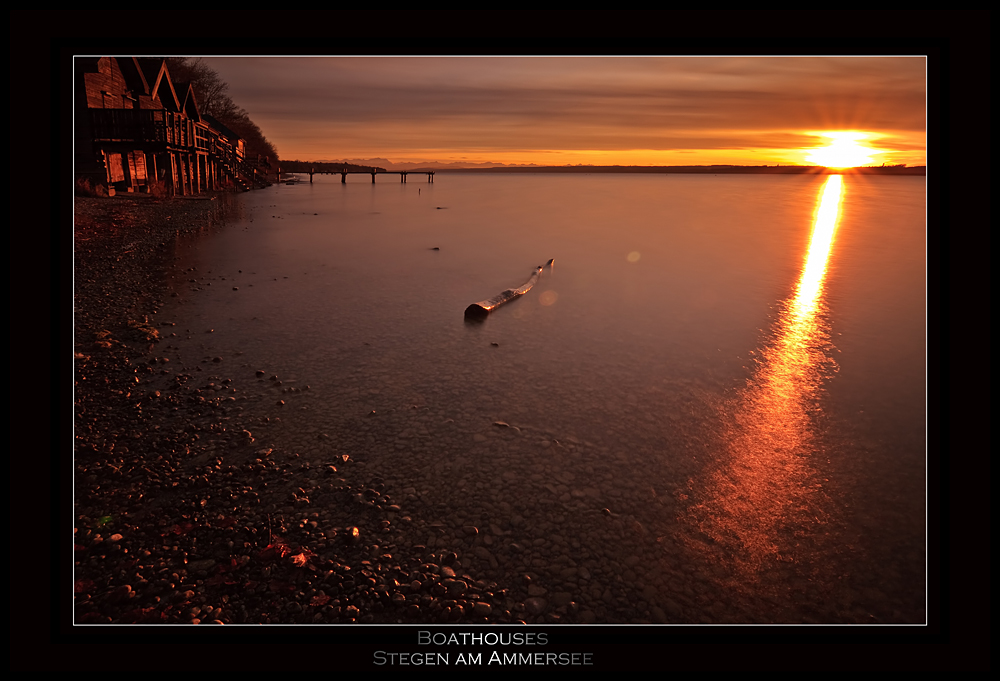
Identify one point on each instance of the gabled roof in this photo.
(190, 104)
(135, 79)
(155, 75)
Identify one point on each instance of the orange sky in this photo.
(589, 110)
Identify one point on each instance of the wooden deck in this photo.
(344, 170)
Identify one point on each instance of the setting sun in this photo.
(843, 151)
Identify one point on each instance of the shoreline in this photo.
(183, 511)
(887, 171)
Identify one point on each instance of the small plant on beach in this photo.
(85, 188)
(158, 189)
(142, 331)
(104, 339)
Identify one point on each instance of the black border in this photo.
(957, 46)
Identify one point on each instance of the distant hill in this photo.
(706, 170)
(423, 165)
(460, 167)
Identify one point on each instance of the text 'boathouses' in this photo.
(138, 131)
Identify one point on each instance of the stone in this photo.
(455, 587)
(535, 605)
(561, 598)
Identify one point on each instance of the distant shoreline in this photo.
(710, 170)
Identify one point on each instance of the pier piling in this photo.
(321, 168)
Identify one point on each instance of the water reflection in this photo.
(764, 502)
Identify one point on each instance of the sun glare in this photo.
(769, 480)
(843, 151)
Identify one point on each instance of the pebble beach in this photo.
(189, 509)
(210, 489)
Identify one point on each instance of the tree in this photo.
(212, 94)
(257, 144)
(210, 90)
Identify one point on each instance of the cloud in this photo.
(393, 105)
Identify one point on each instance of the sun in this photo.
(843, 150)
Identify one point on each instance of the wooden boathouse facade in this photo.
(136, 130)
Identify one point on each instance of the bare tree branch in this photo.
(213, 98)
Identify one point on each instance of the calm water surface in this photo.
(732, 366)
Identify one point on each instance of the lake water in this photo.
(714, 400)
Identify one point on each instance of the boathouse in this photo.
(138, 131)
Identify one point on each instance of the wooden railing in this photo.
(246, 173)
(145, 125)
(129, 125)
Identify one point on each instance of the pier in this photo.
(344, 170)
(377, 171)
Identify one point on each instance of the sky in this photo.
(586, 110)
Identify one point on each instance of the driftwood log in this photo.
(479, 311)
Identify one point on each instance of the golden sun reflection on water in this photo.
(763, 503)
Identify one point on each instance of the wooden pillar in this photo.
(311, 171)
(373, 177)
(128, 165)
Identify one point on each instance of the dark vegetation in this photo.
(213, 98)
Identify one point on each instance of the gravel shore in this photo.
(184, 514)
(212, 490)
